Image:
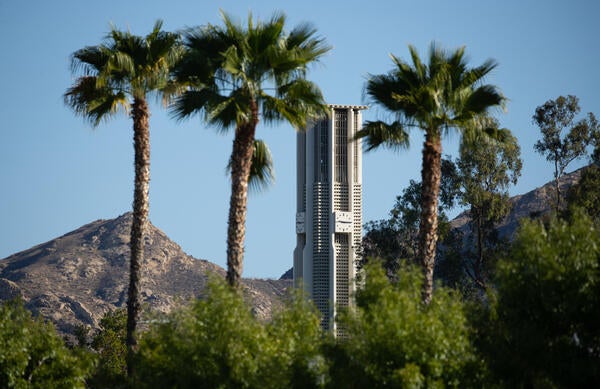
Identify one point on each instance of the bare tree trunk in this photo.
(241, 162)
(557, 174)
(141, 144)
(431, 175)
(479, 262)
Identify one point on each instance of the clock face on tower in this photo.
(300, 223)
(343, 222)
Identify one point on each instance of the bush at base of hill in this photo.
(32, 355)
(217, 343)
(542, 328)
(393, 340)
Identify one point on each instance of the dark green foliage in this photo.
(295, 358)
(394, 340)
(109, 344)
(32, 355)
(585, 194)
(543, 325)
(217, 343)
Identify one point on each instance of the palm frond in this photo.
(123, 66)
(88, 60)
(377, 133)
(188, 102)
(296, 102)
(262, 173)
(440, 95)
(418, 69)
(380, 89)
(243, 64)
(484, 128)
(93, 103)
(483, 97)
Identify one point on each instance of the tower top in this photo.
(344, 106)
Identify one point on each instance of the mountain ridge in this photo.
(76, 278)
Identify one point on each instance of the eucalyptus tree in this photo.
(436, 97)
(237, 75)
(119, 75)
(486, 169)
(563, 139)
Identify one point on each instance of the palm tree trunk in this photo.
(241, 162)
(141, 144)
(431, 175)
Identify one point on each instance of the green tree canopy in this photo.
(395, 341)
(585, 194)
(217, 343)
(544, 324)
(32, 355)
(563, 139)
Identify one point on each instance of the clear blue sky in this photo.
(57, 173)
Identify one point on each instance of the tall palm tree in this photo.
(435, 97)
(120, 74)
(239, 75)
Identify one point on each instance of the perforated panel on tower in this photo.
(341, 201)
(357, 213)
(342, 275)
(355, 146)
(341, 146)
(320, 238)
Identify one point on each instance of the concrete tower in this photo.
(329, 209)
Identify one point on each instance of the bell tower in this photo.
(329, 209)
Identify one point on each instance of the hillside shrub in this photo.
(393, 340)
(217, 343)
(32, 355)
(543, 323)
(111, 350)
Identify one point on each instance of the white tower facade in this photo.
(329, 209)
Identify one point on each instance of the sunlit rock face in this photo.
(75, 279)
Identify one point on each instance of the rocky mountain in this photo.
(76, 278)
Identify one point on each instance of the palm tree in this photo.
(435, 97)
(119, 74)
(239, 75)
